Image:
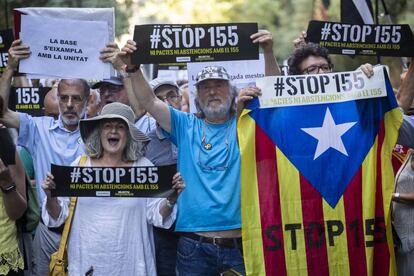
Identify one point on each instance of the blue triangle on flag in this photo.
(331, 172)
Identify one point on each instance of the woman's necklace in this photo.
(208, 145)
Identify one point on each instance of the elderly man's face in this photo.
(72, 102)
(113, 93)
(214, 98)
(169, 94)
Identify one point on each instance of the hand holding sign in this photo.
(48, 185)
(265, 40)
(17, 52)
(126, 52)
(178, 186)
(111, 54)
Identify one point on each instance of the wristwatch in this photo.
(9, 188)
(396, 195)
(133, 69)
(125, 71)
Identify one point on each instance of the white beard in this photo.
(218, 112)
(74, 121)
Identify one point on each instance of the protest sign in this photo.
(194, 43)
(7, 149)
(6, 39)
(113, 182)
(321, 88)
(242, 74)
(86, 14)
(351, 39)
(58, 51)
(28, 99)
(172, 66)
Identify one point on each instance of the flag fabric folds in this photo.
(357, 12)
(316, 187)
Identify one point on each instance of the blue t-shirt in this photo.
(211, 170)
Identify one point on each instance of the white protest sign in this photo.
(87, 14)
(321, 88)
(242, 73)
(59, 51)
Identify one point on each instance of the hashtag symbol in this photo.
(279, 86)
(326, 30)
(155, 38)
(75, 175)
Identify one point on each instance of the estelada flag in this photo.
(316, 187)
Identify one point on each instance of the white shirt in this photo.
(114, 235)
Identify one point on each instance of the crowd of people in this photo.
(128, 121)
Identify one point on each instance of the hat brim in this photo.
(112, 82)
(158, 85)
(212, 78)
(86, 127)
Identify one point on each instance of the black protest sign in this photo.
(28, 99)
(6, 39)
(194, 43)
(373, 40)
(172, 66)
(113, 182)
(7, 149)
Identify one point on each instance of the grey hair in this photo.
(97, 96)
(234, 91)
(133, 151)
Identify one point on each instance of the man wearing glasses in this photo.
(48, 140)
(112, 90)
(116, 89)
(311, 58)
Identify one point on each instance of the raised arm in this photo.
(146, 97)
(265, 40)
(17, 52)
(405, 95)
(109, 54)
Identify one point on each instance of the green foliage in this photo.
(122, 12)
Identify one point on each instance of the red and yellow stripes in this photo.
(288, 229)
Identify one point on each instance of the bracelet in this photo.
(397, 195)
(9, 188)
(170, 205)
(131, 70)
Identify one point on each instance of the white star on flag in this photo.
(329, 135)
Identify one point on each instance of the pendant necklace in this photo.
(208, 145)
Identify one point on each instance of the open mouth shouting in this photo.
(113, 141)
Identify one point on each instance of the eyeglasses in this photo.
(75, 98)
(315, 69)
(172, 98)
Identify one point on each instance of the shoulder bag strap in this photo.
(68, 223)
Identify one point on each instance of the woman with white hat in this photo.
(112, 235)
